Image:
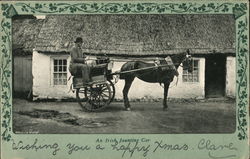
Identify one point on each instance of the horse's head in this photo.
(184, 58)
(187, 61)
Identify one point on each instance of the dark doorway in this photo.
(215, 76)
(22, 76)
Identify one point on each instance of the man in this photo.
(77, 66)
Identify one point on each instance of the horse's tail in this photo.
(126, 67)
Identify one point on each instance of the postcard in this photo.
(124, 79)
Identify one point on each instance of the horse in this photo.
(160, 75)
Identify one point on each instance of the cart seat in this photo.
(97, 75)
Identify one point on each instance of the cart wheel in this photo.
(112, 87)
(97, 96)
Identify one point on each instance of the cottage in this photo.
(210, 38)
(24, 29)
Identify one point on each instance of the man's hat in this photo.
(78, 40)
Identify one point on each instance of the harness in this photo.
(170, 63)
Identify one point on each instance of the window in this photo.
(60, 72)
(191, 76)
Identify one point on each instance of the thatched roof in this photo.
(24, 33)
(138, 34)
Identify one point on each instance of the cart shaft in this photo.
(139, 69)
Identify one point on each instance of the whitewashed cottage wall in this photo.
(190, 89)
(230, 77)
(44, 88)
(42, 78)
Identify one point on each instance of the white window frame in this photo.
(198, 72)
(52, 58)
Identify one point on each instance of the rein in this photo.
(181, 65)
(175, 82)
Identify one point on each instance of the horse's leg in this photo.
(166, 87)
(128, 83)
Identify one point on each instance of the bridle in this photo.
(188, 56)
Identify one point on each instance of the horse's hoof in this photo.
(128, 109)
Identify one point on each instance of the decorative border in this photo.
(242, 81)
(6, 91)
(239, 10)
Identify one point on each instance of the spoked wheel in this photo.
(97, 96)
(112, 88)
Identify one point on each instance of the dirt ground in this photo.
(207, 116)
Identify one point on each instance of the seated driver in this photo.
(77, 66)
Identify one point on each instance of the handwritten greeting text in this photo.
(129, 147)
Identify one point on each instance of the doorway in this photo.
(22, 76)
(215, 76)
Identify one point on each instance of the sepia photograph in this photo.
(124, 74)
